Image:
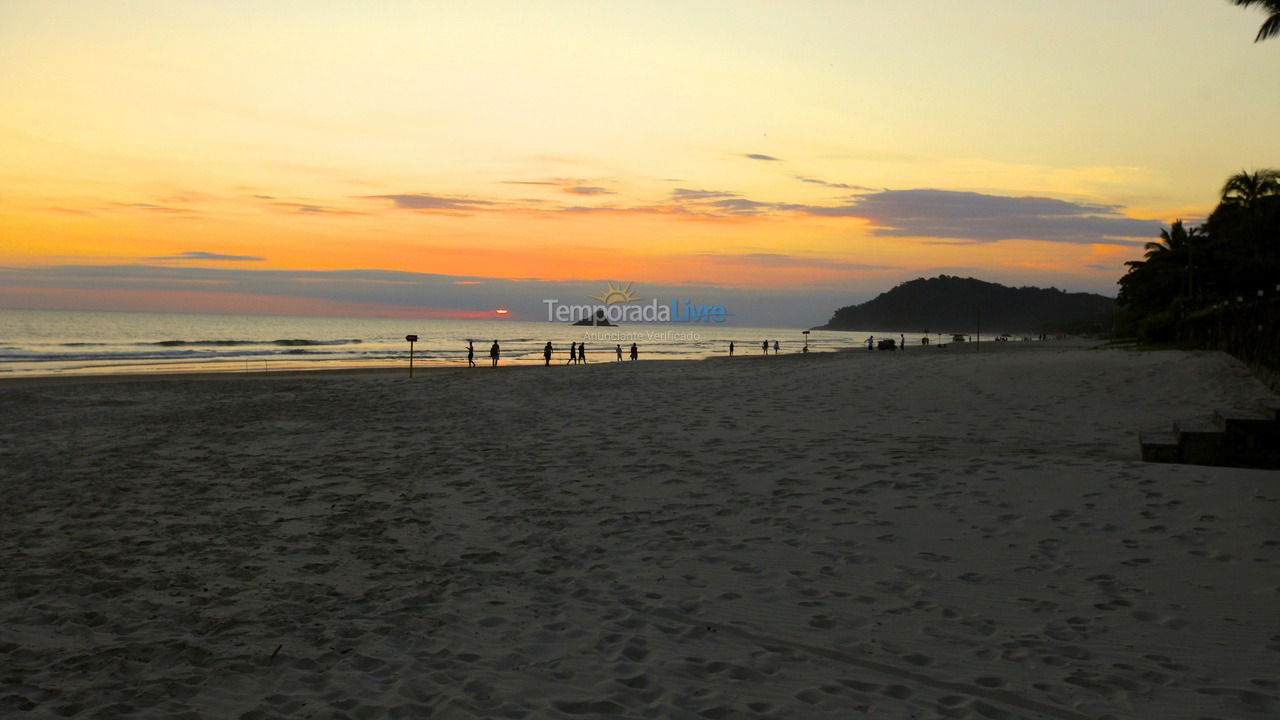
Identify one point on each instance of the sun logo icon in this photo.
(615, 294)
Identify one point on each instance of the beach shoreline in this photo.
(959, 534)
(126, 376)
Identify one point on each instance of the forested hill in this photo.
(956, 305)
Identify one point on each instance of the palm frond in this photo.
(1270, 28)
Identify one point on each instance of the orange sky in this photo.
(751, 145)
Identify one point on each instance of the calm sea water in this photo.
(55, 342)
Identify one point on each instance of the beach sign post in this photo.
(979, 338)
(806, 340)
(412, 339)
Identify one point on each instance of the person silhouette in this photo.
(619, 352)
(730, 348)
(582, 353)
(775, 347)
(902, 341)
(635, 351)
(471, 354)
(546, 354)
(870, 341)
(494, 352)
(765, 347)
(573, 353)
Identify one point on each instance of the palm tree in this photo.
(1270, 26)
(1175, 242)
(1168, 263)
(1245, 188)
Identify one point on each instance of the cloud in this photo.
(779, 260)
(945, 216)
(758, 156)
(305, 207)
(153, 207)
(203, 255)
(313, 208)
(686, 194)
(970, 217)
(644, 210)
(824, 183)
(572, 186)
(928, 214)
(419, 201)
(741, 206)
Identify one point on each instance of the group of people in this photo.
(577, 353)
(900, 345)
(495, 352)
(764, 347)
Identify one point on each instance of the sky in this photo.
(397, 157)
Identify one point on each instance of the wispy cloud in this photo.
(205, 255)
(420, 201)
(569, 185)
(824, 183)
(156, 208)
(303, 206)
(781, 260)
(687, 194)
(758, 156)
(313, 208)
(740, 206)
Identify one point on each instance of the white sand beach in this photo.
(926, 534)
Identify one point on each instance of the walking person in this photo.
(582, 353)
(775, 347)
(635, 351)
(870, 342)
(730, 348)
(619, 352)
(902, 342)
(471, 354)
(494, 352)
(765, 347)
(546, 354)
(573, 353)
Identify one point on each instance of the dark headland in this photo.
(954, 304)
(599, 320)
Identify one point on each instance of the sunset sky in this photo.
(444, 158)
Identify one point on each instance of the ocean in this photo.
(61, 342)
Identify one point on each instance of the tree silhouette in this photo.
(1270, 26)
(1247, 188)
(1233, 254)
